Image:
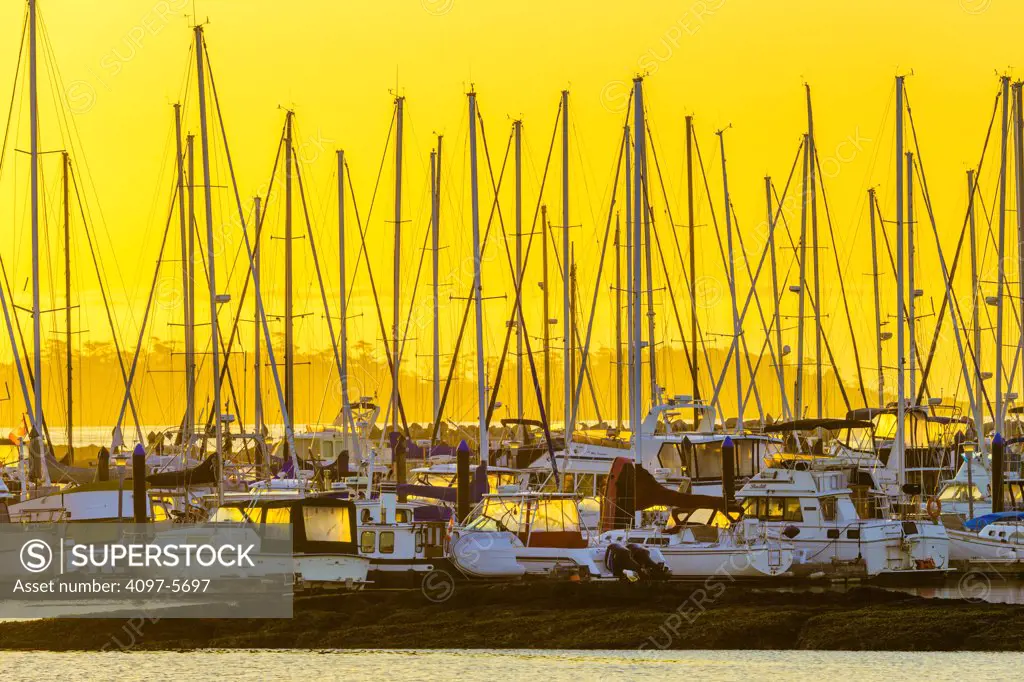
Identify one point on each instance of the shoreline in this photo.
(713, 616)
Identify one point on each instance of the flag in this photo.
(17, 434)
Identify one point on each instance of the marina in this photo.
(603, 377)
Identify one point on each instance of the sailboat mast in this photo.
(911, 303)
(435, 222)
(618, 324)
(878, 306)
(517, 126)
(780, 370)
(257, 351)
(211, 264)
(736, 325)
(187, 422)
(979, 424)
(899, 443)
(566, 319)
(481, 378)
(798, 390)
(396, 303)
(67, 301)
(1001, 279)
(1018, 139)
(545, 228)
(190, 298)
(348, 427)
(694, 372)
(813, 199)
(639, 140)
(652, 351)
(34, 160)
(630, 357)
(289, 300)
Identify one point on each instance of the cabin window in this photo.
(555, 516)
(401, 516)
(367, 542)
(387, 542)
(159, 513)
(327, 524)
(708, 461)
(568, 483)
(365, 516)
(669, 456)
(275, 515)
(828, 508)
(792, 511)
(960, 492)
(745, 459)
(231, 515)
(776, 508)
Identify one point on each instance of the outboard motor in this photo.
(619, 561)
(649, 567)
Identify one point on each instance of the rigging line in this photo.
(892, 264)
(751, 295)
(145, 319)
(526, 259)
(248, 274)
(106, 302)
(842, 279)
(956, 256)
(289, 427)
(469, 299)
(14, 90)
(369, 213)
(373, 290)
(584, 365)
(764, 322)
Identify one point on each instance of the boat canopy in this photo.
(809, 424)
(980, 522)
(320, 525)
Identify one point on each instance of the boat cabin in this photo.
(319, 525)
(537, 519)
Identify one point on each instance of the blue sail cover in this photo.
(980, 522)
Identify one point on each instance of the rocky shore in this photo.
(567, 616)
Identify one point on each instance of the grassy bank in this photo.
(569, 616)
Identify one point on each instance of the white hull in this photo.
(331, 568)
(975, 549)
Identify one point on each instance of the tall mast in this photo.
(572, 316)
(630, 341)
(257, 359)
(812, 164)
(776, 322)
(352, 437)
(878, 306)
(289, 300)
(1002, 262)
(67, 300)
(435, 222)
(618, 324)
(1018, 139)
(900, 443)
(798, 390)
(187, 422)
(911, 312)
(639, 140)
(190, 298)
(545, 227)
(652, 346)
(211, 263)
(517, 126)
(481, 378)
(34, 131)
(979, 424)
(396, 303)
(736, 327)
(566, 320)
(694, 374)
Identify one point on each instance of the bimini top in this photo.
(980, 522)
(827, 424)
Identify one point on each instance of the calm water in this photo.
(515, 665)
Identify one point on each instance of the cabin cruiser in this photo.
(404, 541)
(323, 541)
(969, 493)
(701, 535)
(680, 459)
(992, 540)
(809, 502)
(519, 533)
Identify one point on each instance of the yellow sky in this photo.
(727, 62)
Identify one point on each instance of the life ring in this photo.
(934, 508)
